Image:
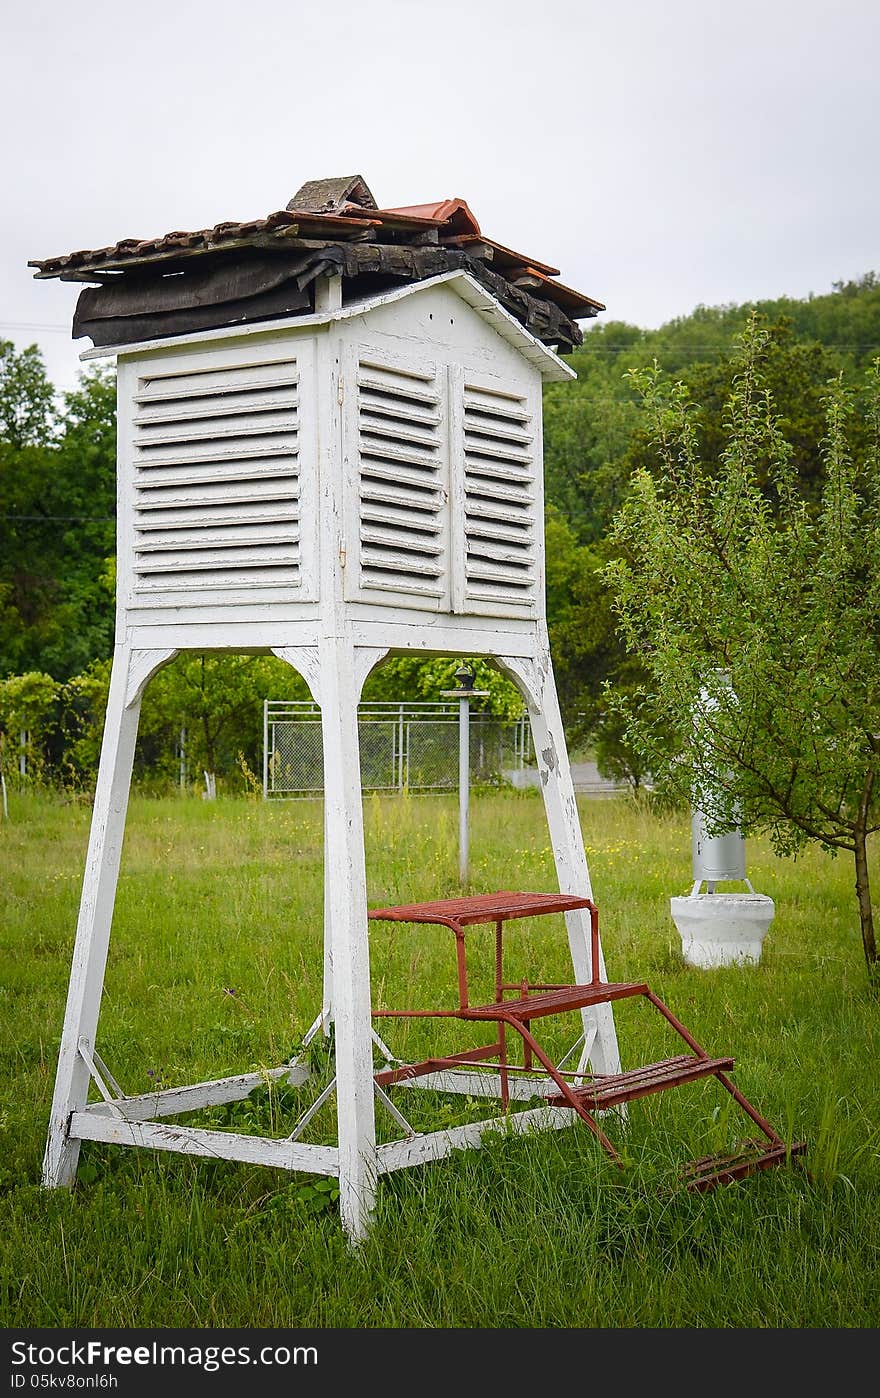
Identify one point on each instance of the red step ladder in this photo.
(588, 1094)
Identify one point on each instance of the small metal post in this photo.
(265, 749)
(464, 784)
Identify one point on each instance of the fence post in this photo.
(401, 740)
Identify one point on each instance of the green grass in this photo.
(215, 968)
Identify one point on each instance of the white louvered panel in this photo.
(216, 481)
(499, 497)
(400, 481)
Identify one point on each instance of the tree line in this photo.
(57, 541)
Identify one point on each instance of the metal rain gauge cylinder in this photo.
(720, 928)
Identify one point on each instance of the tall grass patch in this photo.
(215, 967)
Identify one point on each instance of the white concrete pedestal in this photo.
(722, 929)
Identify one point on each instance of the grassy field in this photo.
(215, 968)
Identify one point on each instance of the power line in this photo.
(29, 326)
(697, 349)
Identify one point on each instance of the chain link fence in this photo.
(402, 746)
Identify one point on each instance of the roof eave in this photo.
(551, 368)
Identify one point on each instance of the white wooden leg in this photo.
(130, 672)
(327, 978)
(535, 680)
(346, 894)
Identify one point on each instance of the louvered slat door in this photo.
(216, 482)
(400, 484)
(496, 453)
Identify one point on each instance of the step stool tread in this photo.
(614, 1088)
(567, 997)
(754, 1155)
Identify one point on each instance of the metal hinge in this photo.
(340, 392)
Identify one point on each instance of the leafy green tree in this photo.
(759, 622)
(795, 373)
(583, 644)
(57, 530)
(27, 398)
(218, 700)
(588, 655)
(27, 707)
(412, 679)
(588, 424)
(83, 706)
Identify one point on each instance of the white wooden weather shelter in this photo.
(332, 483)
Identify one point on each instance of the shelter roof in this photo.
(237, 272)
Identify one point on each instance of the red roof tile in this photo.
(443, 211)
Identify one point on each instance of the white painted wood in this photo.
(217, 1145)
(312, 1110)
(105, 1071)
(345, 876)
(127, 384)
(398, 629)
(497, 494)
(434, 1145)
(95, 917)
(345, 882)
(217, 478)
(535, 400)
(457, 541)
(392, 1110)
(305, 660)
(446, 635)
(223, 629)
(365, 660)
(142, 665)
(110, 1101)
(328, 295)
(171, 1101)
(535, 679)
(396, 476)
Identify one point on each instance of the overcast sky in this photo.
(661, 153)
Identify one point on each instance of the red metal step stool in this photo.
(588, 1094)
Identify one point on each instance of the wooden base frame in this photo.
(335, 663)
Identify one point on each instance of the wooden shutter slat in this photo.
(216, 477)
(400, 493)
(499, 497)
